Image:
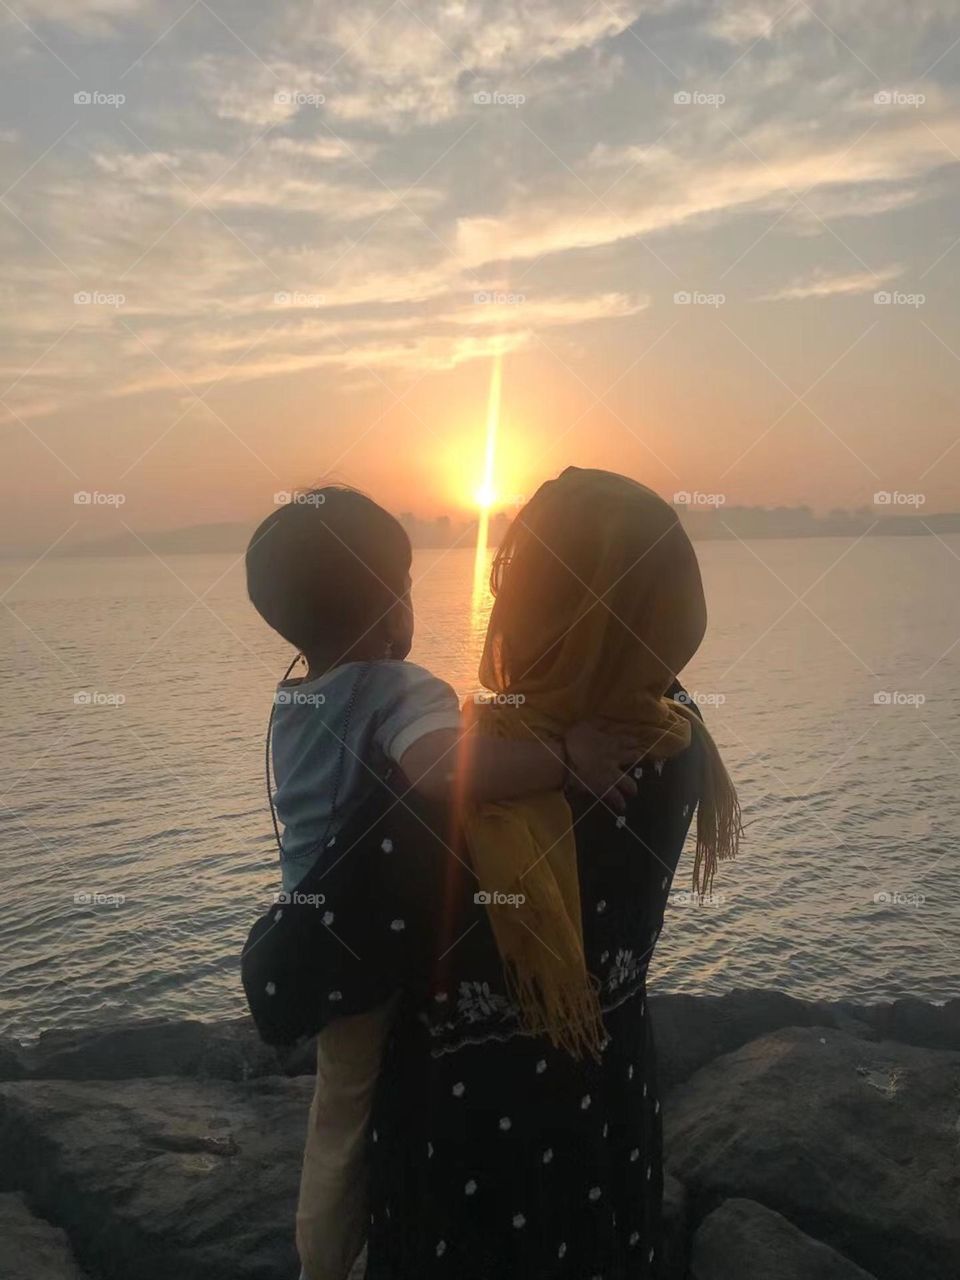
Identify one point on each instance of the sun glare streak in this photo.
(486, 494)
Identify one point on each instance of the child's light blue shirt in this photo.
(334, 736)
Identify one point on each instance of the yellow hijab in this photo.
(598, 606)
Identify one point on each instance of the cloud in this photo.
(91, 17)
(397, 67)
(280, 340)
(324, 199)
(670, 189)
(855, 202)
(747, 23)
(821, 285)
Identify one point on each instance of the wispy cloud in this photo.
(827, 286)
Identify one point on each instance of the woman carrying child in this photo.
(515, 1126)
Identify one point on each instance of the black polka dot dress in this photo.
(492, 1154)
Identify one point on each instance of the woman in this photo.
(516, 1126)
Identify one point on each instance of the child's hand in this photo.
(598, 760)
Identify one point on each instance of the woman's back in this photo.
(494, 1154)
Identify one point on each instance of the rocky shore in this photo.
(805, 1141)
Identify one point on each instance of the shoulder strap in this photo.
(267, 759)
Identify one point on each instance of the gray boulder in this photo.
(676, 1228)
(160, 1178)
(229, 1050)
(853, 1140)
(691, 1031)
(11, 1059)
(912, 1021)
(742, 1240)
(31, 1249)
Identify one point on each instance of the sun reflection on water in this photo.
(481, 599)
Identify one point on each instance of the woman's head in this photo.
(599, 600)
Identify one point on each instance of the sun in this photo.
(485, 496)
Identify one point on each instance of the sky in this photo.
(245, 248)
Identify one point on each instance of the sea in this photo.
(136, 846)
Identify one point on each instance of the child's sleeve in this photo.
(411, 703)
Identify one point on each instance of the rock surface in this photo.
(171, 1150)
(744, 1241)
(165, 1178)
(229, 1050)
(676, 1214)
(31, 1249)
(693, 1030)
(854, 1140)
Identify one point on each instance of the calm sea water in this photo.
(152, 793)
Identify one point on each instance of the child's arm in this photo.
(486, 768)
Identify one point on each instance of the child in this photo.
(330, 571)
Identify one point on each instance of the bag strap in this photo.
(268, 763)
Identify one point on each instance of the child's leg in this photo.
(332, 1212)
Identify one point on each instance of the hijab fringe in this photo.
(719, 820)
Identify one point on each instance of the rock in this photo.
(673, 1261)
(916, 1022)
(691, 1031)
(11, 1060)
(744, 1241)
(219, 1050)
(853, 1140)
(160, 1178)
(31, 1249)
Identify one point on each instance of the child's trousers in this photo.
(333, 1209)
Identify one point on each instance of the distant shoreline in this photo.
(724, 524)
